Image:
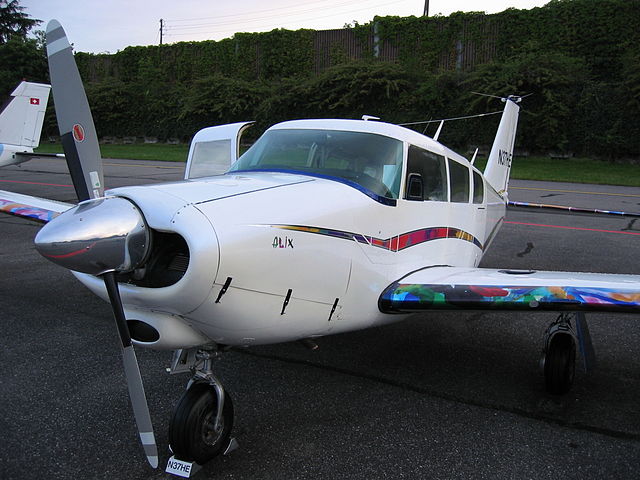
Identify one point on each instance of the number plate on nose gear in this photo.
(181, 468)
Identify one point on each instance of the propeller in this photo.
(100, 236)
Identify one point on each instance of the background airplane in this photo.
(322, 227)
(21, 121)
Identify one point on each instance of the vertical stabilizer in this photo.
(22, 116)
(499, 162)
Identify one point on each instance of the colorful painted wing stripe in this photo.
(407, 297)
(396, 243)
(22, 210)
(572, 209)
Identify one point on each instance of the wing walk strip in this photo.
(395, 243)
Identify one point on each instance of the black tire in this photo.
(191, 433)
(560, 364)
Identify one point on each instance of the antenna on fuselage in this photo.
(369, 117)
(435, 137)
(473, 159)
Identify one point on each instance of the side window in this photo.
(210, 158)
(431, 167)
(478, 188)
(459, 175)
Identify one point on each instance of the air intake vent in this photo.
(179, 263)
(143, 332)
(167, 263)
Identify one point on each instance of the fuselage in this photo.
(267, 255)
(8, 154)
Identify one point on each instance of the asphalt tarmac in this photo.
(442, 395)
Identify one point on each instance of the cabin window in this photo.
(459, 176)
(478, 188)
(210, 158)
(431, 167)
(372, 161)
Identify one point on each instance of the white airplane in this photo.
(321, 227)
(21, 121)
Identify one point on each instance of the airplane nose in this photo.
(97, 236)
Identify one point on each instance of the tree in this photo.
(13, 21)
(20, 57)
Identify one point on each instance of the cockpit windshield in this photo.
(374, 162)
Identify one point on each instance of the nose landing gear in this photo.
(203, 419)
(197, 432)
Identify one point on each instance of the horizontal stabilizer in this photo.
(489, 289)
(25, 156)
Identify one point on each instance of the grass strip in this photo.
(574, 170)
(136, 151)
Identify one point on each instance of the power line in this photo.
(253, 11)
(449, 119)
(230, 25)
(258, 18)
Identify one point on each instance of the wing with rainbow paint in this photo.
(33, 208)
(491, 289)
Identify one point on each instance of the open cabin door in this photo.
(214, 149)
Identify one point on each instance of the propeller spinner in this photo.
(96, 237)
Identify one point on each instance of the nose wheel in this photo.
(196, 431)
(201, 425)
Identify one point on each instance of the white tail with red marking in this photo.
(22, 117)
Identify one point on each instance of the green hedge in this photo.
(579, 60)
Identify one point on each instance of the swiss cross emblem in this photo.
(35, 101)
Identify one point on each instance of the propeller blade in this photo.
(132, 372)
(77, 131)
(127, 227)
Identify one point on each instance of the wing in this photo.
(489, 289)
(33, 208)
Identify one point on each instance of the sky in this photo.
(101, 26)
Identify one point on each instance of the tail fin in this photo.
(22, 116)
(499, 162)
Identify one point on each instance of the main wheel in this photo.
(192, 433)
(560, 364)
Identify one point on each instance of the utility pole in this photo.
(426, 8)
(161, 30)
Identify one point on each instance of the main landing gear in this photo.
(203, 419)
(559, 353)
